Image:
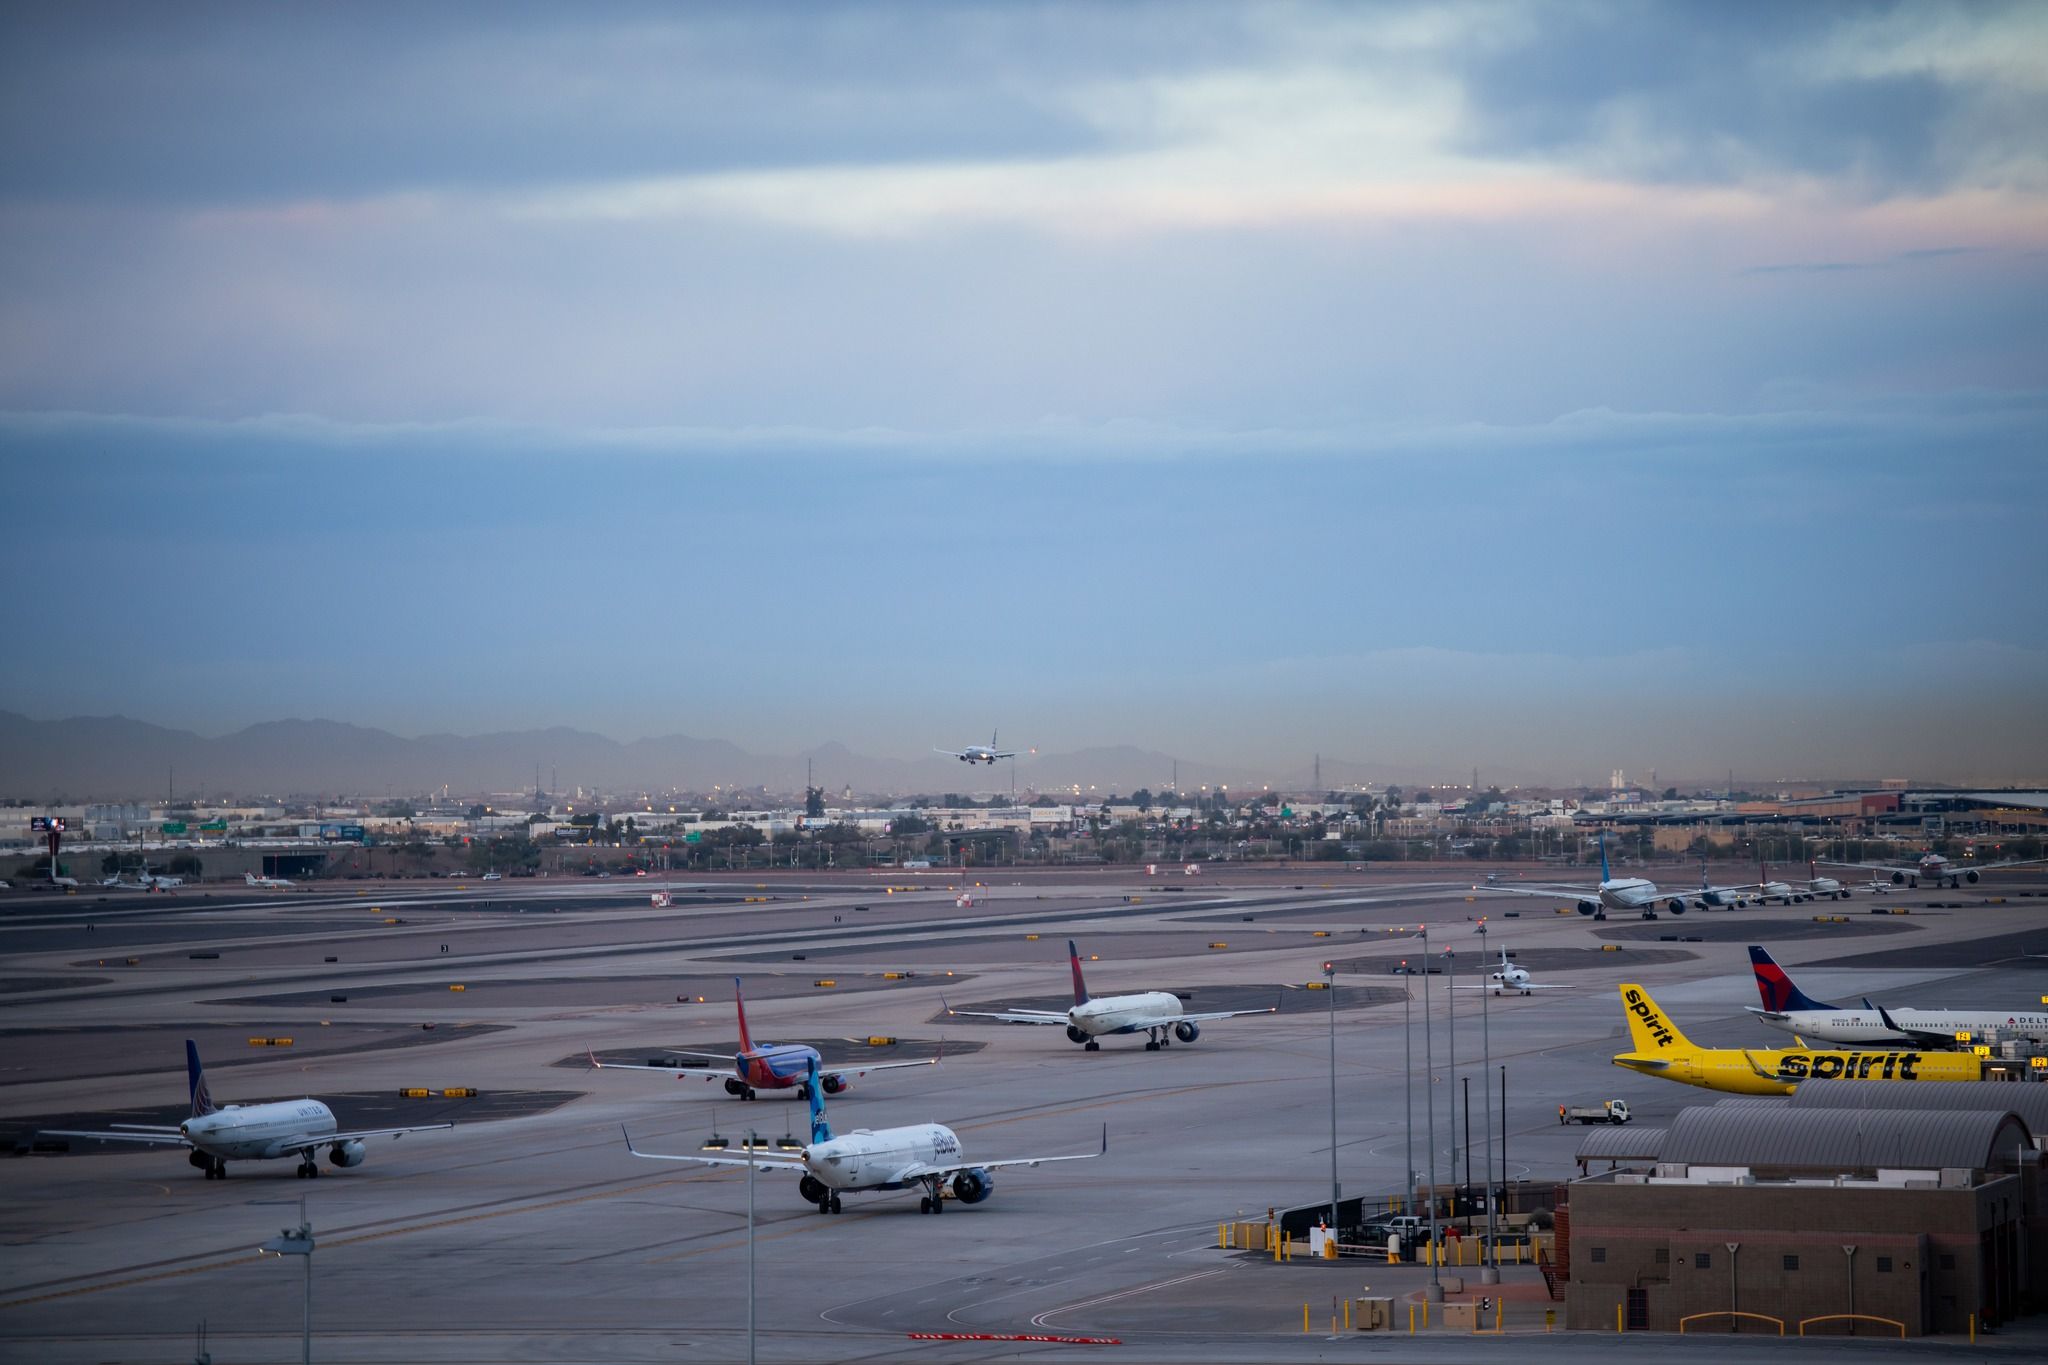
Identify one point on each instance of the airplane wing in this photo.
(1877, 867)
(777, 1161)
(922, 1171)
(1018, 1016)
(1011, 754)
(702, 1073)
(309, 1141)
(1550, 892)
(1212, 1014)
(1943, 1039)
(859, 1071)
(172, 1138)
(950, 753)
(1504, 986)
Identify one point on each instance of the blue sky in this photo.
(1552, 388)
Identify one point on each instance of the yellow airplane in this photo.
(1661, 1050)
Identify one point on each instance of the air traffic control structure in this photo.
(1886, 1209)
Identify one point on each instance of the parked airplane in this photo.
(1823, 887)
(927, 1155)
(1661, 1050)
(1784, 893)
(979, 753)
(1511, 978)
(764, 1066)
(217, 1134)
(1613, 893)
(272, 883)
(1792, 1010)
(1157, 1013)
(145, 880)
(1932, 867)
(1721, 897)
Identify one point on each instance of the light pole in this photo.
(1407, 1088)
(752, 1141)
(1336, 1190)
(1451, 1009)
(298, 1241)
(1489, 1265)
(1435, 1292)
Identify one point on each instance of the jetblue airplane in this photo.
(1157, 1013)
(769, 1066)
(927, 1155)
(216, 1134)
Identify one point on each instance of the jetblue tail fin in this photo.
(821, 1131)
(1605, 875)
(195, 1076)
(1779, 994)
(1074, 961)
(739, 1002)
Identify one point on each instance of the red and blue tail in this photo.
(202, 1098)
(739, 1002)
(1074, 961)
(1779, 994)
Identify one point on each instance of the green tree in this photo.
(814, 803)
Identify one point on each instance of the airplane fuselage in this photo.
(1742, 1071)
(872, 1160)
(1629, 893)
(1865, 1027)
(253, 1132)
(1121, 1013)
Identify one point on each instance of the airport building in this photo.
(1756, 1213)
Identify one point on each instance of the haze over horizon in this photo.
(1561, 388)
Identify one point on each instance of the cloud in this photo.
(1918, 256)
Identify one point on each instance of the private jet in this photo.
(268, 883)
(1509, 977)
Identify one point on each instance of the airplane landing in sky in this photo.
(979, 753)
(762, 1066)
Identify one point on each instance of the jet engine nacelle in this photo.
(811, 1188)
(200, 1160)
(1699, 905)
(1589, 907)
(832, 1085)
(1676, 905)
(971, 1187)
(347, 1154)
(1898, 879)
(1075, 1035)
(1187, 1031)
(1970, 877)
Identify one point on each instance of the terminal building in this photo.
(1823, 1210)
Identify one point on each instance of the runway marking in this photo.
(1040, 1319)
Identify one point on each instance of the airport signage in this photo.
(46, 824)
(348, 833)
(174, 827)
(214, 827)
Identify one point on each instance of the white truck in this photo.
(1607, 1111)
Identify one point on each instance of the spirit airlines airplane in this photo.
(768, 1066)
(979, 753)
(1932, 867)
(927, 1155)
(1613, 893)
(273, 883)
(1661, 1050)
(216, 1135)
(1157, 1013)
(1511, 978)
(1787, 1007)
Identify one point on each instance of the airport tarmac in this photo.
(528, 1232)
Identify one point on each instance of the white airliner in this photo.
(273, 883)
(1720, 897)
(145, 880)
(1791, 1010)
(1157, 1013)
(1784, 893)
(1511, 978)
(1613, 893)
(1932, 867)
(1823, 887)
(979, 753)
(218, 1134)
(927, 1155)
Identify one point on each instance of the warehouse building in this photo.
(1754, 1215)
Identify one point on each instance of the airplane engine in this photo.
(346, 1154)
(971, 1187)
(1075, 1035)
(200, 1160)
(833, 1084)
(1970, 877)
(811, 1188)
(1898, 879)
(1187, 1031)
(1699, 905)
(1676, 905)
(1589, 907)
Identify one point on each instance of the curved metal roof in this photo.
(1838, 1141)
(1625, 1142)
(2027, 1099)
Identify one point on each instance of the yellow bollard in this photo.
(1499, 1307)
(1425, 1312)
(1973, 1329)
(1304, 1317)
(1411, 1319)
(1617, 1317)
(1220, 1243)
(1347, 1314)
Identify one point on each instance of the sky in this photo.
(1547, 387)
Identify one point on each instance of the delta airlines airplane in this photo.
(216, 1134)
(927, 1155)
(767, 1066)
(1511, 978)
(1787, 1008)
(1613, 893)
(979, 753)
(1932, 867)
(1157, 1013)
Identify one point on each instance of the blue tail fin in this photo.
(202, 1099)
(821, 1131)
(1779, 995)
(1605, 875)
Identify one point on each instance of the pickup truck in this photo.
(1608, 1111)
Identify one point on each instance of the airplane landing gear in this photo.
(309, 1169)
(216, 1169)
(1091, 1046)
(933, 1200)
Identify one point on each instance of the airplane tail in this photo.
(1776, 988)
(249, 877)
(821, 1131)
(1605, 875)
(1650, 1030)
(1074, 961)
(739, 1003)
(195, 1076)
